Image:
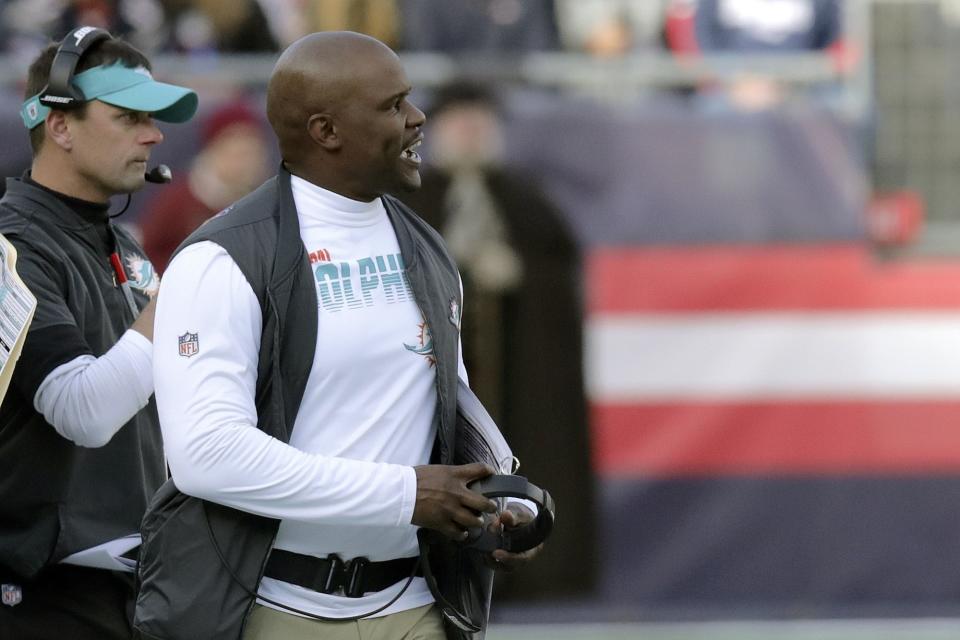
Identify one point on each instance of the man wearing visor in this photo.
(80, 445)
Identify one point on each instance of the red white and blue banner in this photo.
(776, 429)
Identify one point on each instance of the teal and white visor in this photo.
(125, 87)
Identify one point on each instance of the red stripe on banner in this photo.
(785, 437)
(815, 277)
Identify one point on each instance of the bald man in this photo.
(306, 365)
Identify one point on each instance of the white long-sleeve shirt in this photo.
(345, 483)
(80, 398)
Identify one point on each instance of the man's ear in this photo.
(323, 131)
(58, 130)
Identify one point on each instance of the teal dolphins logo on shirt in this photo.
(424, 344)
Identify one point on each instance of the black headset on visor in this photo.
(60, 92)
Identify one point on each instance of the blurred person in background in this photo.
(608, 28)
(139, 22)
(522, 319)
(765, 27)
(29, 24)
(80, 444)
(209, 26)
(231, 163)
(492, 26)
(292, 19)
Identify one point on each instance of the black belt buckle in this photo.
(335, 572)
(353, 585)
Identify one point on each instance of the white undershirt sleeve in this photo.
(205, 397)
(88, 399)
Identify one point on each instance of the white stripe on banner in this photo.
(773, 355)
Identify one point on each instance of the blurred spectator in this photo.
(292, 19)
(767, 25)
(455, 26)
(28, 25)
(138, 21)
(609, 27)
(231, 163)
(179, 25)
(679, 28)
(764, 26)
(229, 26)
(522, 321)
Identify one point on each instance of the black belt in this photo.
(334, 575)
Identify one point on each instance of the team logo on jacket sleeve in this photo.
(142, 275)
(455, 314)
(189, 344)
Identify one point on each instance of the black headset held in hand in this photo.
(457, 575)
(62, 93)
(514, 539)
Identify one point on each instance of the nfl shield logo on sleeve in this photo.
(189, 344)
(12, 595)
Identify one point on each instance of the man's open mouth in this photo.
(410, 152)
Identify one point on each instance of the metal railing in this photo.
(559, 70)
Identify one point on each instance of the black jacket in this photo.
(57, 498)
(201, 562)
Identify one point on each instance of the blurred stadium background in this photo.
(770, 226)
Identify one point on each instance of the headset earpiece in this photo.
(60, 93)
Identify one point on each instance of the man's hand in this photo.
(515, 515)
(445, 504)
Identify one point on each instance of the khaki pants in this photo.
(422, 623)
